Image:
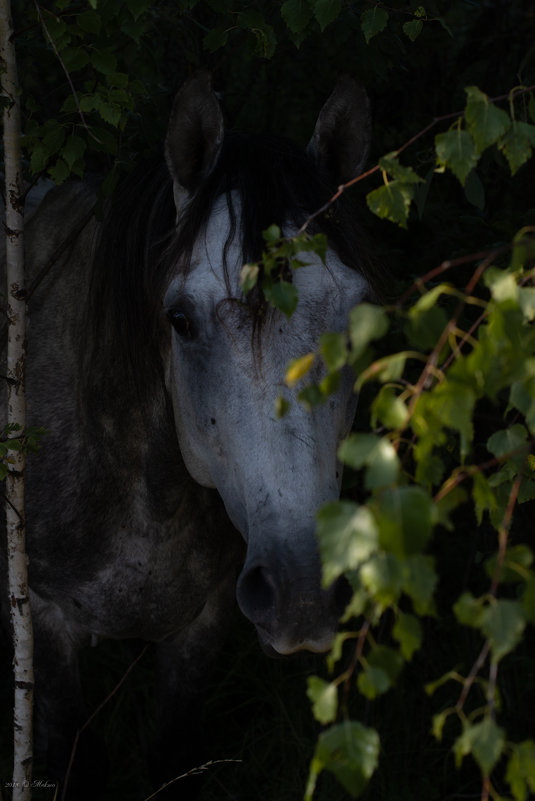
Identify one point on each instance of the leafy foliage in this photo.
(417, 467)
(456, 349)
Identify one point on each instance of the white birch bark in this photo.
(16, 354)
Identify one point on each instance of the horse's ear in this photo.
(341, 138)
(194, 135)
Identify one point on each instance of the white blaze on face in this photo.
(272, 474)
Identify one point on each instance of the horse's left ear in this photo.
(341, 139)
(194, 135)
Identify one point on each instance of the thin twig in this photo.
(476, 667)
(65, 70)
(503, 533)
(357, 655)
(443, 118)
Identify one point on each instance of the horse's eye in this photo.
(180, 323)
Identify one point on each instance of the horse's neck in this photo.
(94, 416)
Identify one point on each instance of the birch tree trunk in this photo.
(16, 354)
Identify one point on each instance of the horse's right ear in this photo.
(194, 135)
(341, 139)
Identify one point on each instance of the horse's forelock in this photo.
(267, 180)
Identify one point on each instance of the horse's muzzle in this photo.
(291, 613)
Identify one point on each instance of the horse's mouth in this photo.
(287, 650)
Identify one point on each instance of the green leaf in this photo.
(408, 632)
(75, 58)
(333, 348)
(298, 368)
(326, 11)
(516, 562)
(484, 740)
(382, 575)
(39, 159)
(59, 172)
(330, 384)
(215, 39)
(389, 409)
(483, 495)
(486, 122)
(453, 404)
(347, 536)
(118, 80)
(386, 659)
(90, 22)
(517, 144)
(521, 770)
(468, 610)
(390, 164)
(73, 149)
(429, 299)
(373, 681)
(366, 323)
(296, 14)
(249, 277)
(324, 698)
(272, 234)
(104, 61)
(264, 34)
(390, 368)
(505, 442)
(392, 201)
(456, 151)
(311, 396)
(283, 296)
(526, 300)
(376, 453)
(373, 21)
(405, 517)
(413, 29)
(282, 407)
(419, 581)
(348, 750)
(54, 138)
(502, 284)
(438, 723)
(503, 623)
(425, 325)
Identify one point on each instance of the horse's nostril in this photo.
(256, 594)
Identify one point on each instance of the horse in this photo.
(165, 484)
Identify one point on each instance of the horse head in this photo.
(226, 355)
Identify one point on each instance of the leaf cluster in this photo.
(417, 467)
(13, 439)
(424, 459)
